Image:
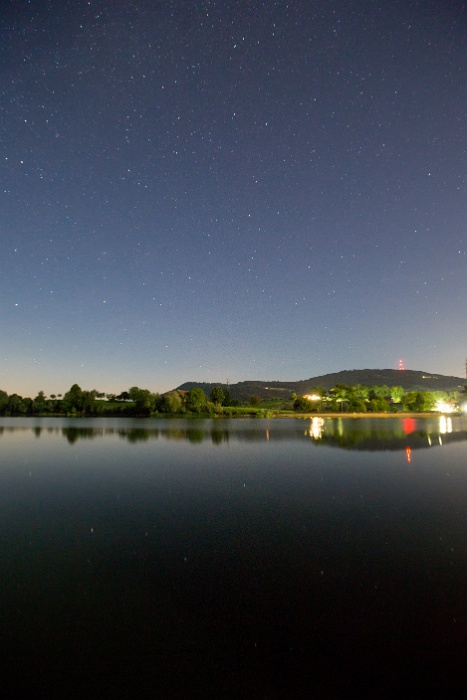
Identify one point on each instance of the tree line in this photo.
(342, 398)
(134, 402)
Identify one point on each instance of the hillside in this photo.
(410, 380)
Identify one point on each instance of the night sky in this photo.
(230, 190)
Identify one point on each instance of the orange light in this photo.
(408, 452)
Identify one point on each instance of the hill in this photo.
(410, 380)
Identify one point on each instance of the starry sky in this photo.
(230, 189)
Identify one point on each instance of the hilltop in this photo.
(409, 380)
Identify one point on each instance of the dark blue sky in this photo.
(230, 190)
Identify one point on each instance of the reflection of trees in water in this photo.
(342, 432)
(219, 436)
(359, 430)
(243, 431)
(416, 440)
(72, 433)
(195, 435)
(139, 435)
(174, 434)
(387, 434)
(37, 430)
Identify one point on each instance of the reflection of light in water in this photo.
(429, 440)
(340, 427)
(315, 430)
(408, 425)
(445, 425)
(267, 434)
(408, 452)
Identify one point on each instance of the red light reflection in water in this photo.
(408, 425)
(408, 452)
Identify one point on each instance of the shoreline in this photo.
(278, 414)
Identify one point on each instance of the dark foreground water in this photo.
(233, 558)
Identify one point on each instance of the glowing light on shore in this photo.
(444, 407)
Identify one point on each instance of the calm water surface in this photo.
(233, 558)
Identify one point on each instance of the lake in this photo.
(243, 558)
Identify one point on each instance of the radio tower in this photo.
(401, 365)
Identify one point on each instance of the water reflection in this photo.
(387, 434)
(194, 541)
(72, 433)
(367, 434)
(409, 425)
(315, 429)
(445, 424)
